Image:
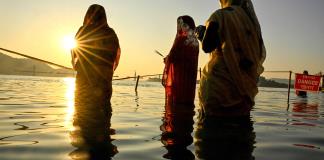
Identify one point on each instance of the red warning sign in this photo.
(307, 82)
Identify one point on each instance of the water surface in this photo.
(36, 115)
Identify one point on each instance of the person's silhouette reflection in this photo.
(230, 138)
(176, 131)
(91, 121)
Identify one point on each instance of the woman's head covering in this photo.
(186, 26)
(186, 21)
(95, 16)
(247, 7)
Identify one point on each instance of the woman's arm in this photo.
(211, 39)
(116, 62)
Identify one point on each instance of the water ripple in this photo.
(36, 121)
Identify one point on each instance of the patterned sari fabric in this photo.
(229, 80)
(180, 72)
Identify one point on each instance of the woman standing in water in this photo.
(180, 72)
(96, 56)
(95, 59)
(233, 38)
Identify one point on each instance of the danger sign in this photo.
(307, 82)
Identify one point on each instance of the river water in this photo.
(36, 123)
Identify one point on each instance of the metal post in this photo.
(137, 83)
(289, 84)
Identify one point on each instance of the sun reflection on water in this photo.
(69, 95)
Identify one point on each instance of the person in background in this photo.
(302, 94)
(232, 37)
(95, 60)
(180, 72)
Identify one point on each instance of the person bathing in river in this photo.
(232, 37)
(95, 59)
(180, 72)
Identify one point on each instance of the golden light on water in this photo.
(69, 95)
(68, 42)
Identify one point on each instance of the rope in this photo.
(149, 75)
(34, 58)
(279, 71)
(69, 68)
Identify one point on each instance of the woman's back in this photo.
(97, 51)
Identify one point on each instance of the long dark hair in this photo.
(95, 16)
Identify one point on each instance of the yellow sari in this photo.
(229, 79)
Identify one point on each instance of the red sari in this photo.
(180, 72)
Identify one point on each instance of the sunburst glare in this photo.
(68, 42)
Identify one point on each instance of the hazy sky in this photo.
(293, 30)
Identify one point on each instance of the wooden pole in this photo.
(289, 84)
(137, 83)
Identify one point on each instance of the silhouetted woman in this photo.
(180, 72)
(95, 60)
(229, 80)
(96, 57)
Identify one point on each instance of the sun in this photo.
(68, 42)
